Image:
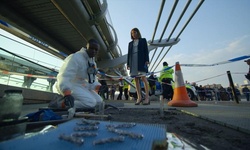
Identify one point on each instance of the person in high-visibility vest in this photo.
(166, 77)
(125, 90)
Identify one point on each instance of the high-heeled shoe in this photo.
(148, 103)
(138, 103)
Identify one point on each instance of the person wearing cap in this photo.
(77, 80)
(166, 77)
(248, 74)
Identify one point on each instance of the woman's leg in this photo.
(138, 89)
(145, 82)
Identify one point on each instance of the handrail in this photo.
(25, 59)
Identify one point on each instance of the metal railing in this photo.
(15, 69)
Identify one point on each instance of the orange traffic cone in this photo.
(180, 98)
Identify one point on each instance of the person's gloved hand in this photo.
(69, 101)
(97, 88)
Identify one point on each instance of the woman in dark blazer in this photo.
(137, 63)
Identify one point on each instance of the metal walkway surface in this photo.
(232, 115)
(227, 113)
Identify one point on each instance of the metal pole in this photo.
(232, 86)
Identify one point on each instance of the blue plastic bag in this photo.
(43, 115)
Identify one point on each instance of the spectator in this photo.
(104, 89)
(51, 80)
(201, 92)
(132, 90)
(125, 90)
(246, 92)
(216, 92)
(248, 74)
(237, 92)
(29, 79)
(112, 91)
(120, 89)
(77, 80)
(166, 77)
(230, 93)
(223, 94)
(137, 63)
(152, 80)
(209, 93)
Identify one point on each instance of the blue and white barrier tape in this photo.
(219, 63)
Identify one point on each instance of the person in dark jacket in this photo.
(246, 92)
(120, 89)
(137, 63)
(248, 74)
(152, 82)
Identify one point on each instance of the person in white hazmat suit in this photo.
(76, 79)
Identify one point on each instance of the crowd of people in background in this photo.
(77, 80)
(218, 92)
(205, 93)
(80, 87)
(29, 79)
(107, 92)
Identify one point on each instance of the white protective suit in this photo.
(73, 76)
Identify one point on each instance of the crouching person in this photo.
(77, 80)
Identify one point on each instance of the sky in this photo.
(219, 31)
(28, 50)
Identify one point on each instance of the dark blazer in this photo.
(142, 54)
